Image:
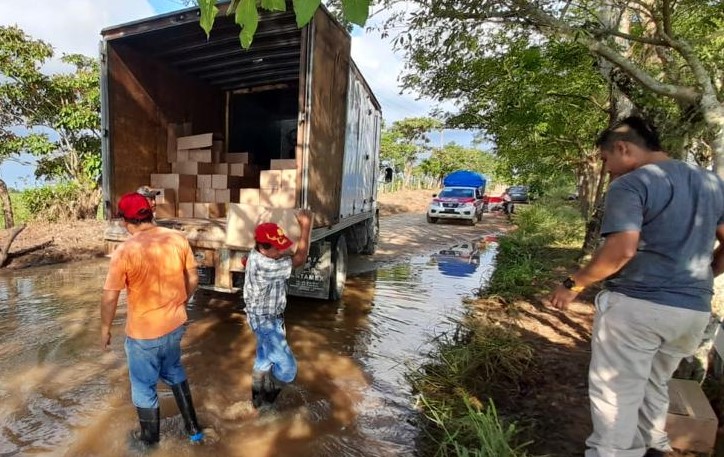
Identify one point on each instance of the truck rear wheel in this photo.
(373, 234)
(339, 269)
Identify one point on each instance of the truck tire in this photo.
(431, 220)
(338, 275)
(473, 221)
(373, 235)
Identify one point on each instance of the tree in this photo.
(404, 141)
(246, 13)
(453, 157)
(54, 117)
(674, 49)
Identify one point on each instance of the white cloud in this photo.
(71, 26)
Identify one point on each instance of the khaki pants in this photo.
(635, 348)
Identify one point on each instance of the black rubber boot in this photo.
(258, 391)
(182, 394)
(149, 434)
(272, 388)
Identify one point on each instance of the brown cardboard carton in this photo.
(249, 197)
(207, 168)
(226, 182)
(221, 169)
(227, 195)
(185, 168)
(241, 169)
(691, 422)
(204, 181)
(185, 209)
(186, 194)
(200, 155)
(172, 181)
(182, 155)
(237, 157)
(283, 164)
(165, 210)
(278, 198)
(204, 140)
(166, 196)
(205, 196)
(209, 210)
(270, 179)
(243, 219)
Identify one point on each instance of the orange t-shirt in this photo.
(152, 265)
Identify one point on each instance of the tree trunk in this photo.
(714, 116)
(593, 226)
(10, 234)
(8, 217)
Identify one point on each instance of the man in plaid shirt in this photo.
(268, 268)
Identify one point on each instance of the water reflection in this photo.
(61, 396)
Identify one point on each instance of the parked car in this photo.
(464, 203)
(518, 194)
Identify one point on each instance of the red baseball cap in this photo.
(134, 206)
(271, 233)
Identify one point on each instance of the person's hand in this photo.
(105, 340)
(562, 297)
(304, 217)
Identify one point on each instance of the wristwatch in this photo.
(570, 284)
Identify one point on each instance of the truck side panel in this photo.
(361, 153)
(330, 74)
(144, 97)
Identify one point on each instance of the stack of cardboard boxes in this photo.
(205, 180)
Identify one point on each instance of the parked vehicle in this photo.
(461, 198)
(518, 194)
(295, 96)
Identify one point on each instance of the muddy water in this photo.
(60, 395)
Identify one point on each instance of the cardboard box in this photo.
(274, 179)
(165, 210)
(204, 140)
(241, 169)
(691, 422)
(200, 155)
(209, 210)
(185, 168)
(278, 198)
(172, 181)
(221, 169)
(243, 219)
(182, 155)
(206, 168)
(226, 182)
(237, 157)
(186, 194)
(204, 181)
(283, 164)
(205, 196)
(227, 195)
(185, 210)
(248, 197)
(166, 196)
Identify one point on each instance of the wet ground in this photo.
(60, 395)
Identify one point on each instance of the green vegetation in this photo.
(465, 391)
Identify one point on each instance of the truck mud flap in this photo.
(313, 280)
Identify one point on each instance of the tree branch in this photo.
(629, 37)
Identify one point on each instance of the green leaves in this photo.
(248, 19)
(274, 5)
(305, 9)
(356, 11)
(208, 15)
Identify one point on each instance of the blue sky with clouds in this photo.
(74, 25)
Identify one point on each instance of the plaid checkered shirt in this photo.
(265, 286)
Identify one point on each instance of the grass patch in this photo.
(468, 369)
(549, 234)
(21, 212)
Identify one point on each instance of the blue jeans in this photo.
(151, 360)
(272, 351)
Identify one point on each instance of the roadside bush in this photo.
(20, 211)
(61, 201)
(478, 363)
(549, 232)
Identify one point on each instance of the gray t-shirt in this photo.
(676, 207)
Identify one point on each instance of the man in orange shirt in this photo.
(157, 267)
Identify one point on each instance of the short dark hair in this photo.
(640, 132)
(138, 221)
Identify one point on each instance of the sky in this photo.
(73, 26)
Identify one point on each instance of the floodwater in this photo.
(60, 395)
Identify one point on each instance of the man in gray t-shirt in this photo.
(661, 222)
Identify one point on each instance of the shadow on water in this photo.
(60, 395)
